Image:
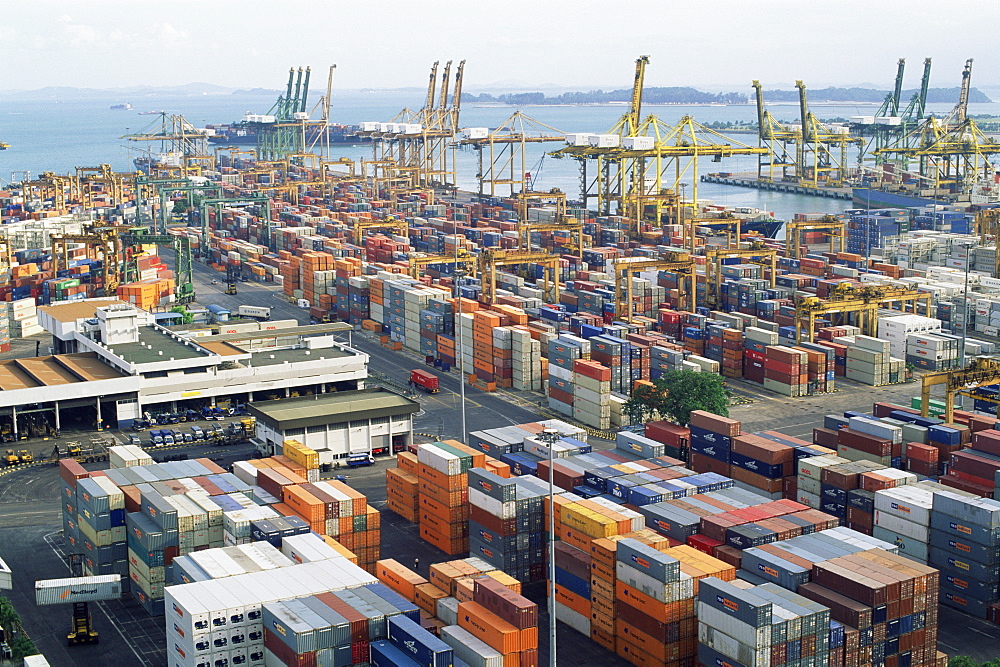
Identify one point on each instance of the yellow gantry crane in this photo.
(755, 252)
(980, 372)
(390, 224)
(863, 301)
(832, 226)
(821, 155)
(489, 260)
(779, 162)
(627, 267)
(988, 229)
(103, 241)
(463, 260)
(502, 152)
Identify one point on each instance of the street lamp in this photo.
(549, 437)
(460, 348)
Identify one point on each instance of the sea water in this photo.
(59, 135)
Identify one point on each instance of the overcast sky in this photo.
(574, 43)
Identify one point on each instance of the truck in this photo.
(358, 460)
(425, 381)
(254, 312)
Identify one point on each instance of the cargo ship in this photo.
(245, 133)
(985, 191)
(121, 107)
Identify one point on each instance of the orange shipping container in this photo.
(426, 597)
(498, 633)
(398, 577)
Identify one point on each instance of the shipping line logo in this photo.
(641, 562)
(959, 546)
(69, 592)
(958, 527)
(731, 605)
(768, 571)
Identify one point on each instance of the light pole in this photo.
(460, 349)
(549, 436)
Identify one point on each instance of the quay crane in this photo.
(779, 140)
(821, 158)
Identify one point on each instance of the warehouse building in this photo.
(368, 421)
(113, 363)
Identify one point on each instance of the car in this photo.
(135, 440)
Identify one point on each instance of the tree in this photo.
(186, 317)
(676, 394)
(966, 661)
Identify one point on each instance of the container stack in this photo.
(496, 622)
(868, 361)
(305, 457)
(23, 318)
(808, 480)
(869, 588)
(711, 442)
(592, 386)
(563, 352)
(402, 489)
(506, 523)
(760, 625)
(128, 456)
(902, 515)
(655, 592)
(224, 619)
(965, 546)
(976, 469)
(443, 494)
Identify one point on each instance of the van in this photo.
(168, 437)
(197, 432)
(156, 437)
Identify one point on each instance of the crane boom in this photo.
(635, 107)
(456, 98)
(763, 128)
(962, 109)
(898, 90)
(804, 111)
(925, 82)
(445, 83)
(431, 88)
(305, 90)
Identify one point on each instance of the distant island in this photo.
(687, 95)
(934, 95)
(650, 95)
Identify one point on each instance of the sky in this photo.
(578, 44)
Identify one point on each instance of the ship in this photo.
(245, 133)
(121, 107)
(151, 113)
(985, 191)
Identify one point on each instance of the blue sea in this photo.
(60, 135)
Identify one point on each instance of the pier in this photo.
(751, 181)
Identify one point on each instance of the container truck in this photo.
(254, 312)
(423, 380)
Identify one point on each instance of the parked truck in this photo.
(426, 381)
(254, 312)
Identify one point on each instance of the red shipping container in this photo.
(920, 452)
(715, 423)
(984, 441)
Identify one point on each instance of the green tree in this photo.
(21, 646)
(676, 394)
(187, 318)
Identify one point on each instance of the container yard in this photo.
(675, 540)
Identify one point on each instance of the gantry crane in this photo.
(502, 152)
(423, 141)
(94, 180)
(980, 372)
(390, 224)
(60, 189)
(218, 203)
(755, 252)
(98, 241)
(863, 301)
(183, 262)
(988, 229)
(821, 155)
(178, 138)
(490, 259)
(886, 126)
(626, 267)
(834, 228)
(779, 140)
(570, 226)
(463, 260)
(952, 154)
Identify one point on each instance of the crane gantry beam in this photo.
(980, 372)
(755, 252)
(625, 268)
(832, 226)
(863, 301)
(489, 260)
(463, 260)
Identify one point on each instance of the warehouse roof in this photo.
(71, 311)
(305, 330)
(53, 370)
(337, 407)
(273, 357)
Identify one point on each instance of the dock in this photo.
(751, 181)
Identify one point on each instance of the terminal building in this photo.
(367, 421)
(112, 363)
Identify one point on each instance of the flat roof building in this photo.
(367, 421)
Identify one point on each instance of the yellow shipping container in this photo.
(589, 522)
(306, 457)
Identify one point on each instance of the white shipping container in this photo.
(911, 502)
(78, 589)
(440, 460)
(604, 140)
(6, 577)
(638, 143)
(578, 622)
(902, 526)
(468, 648)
